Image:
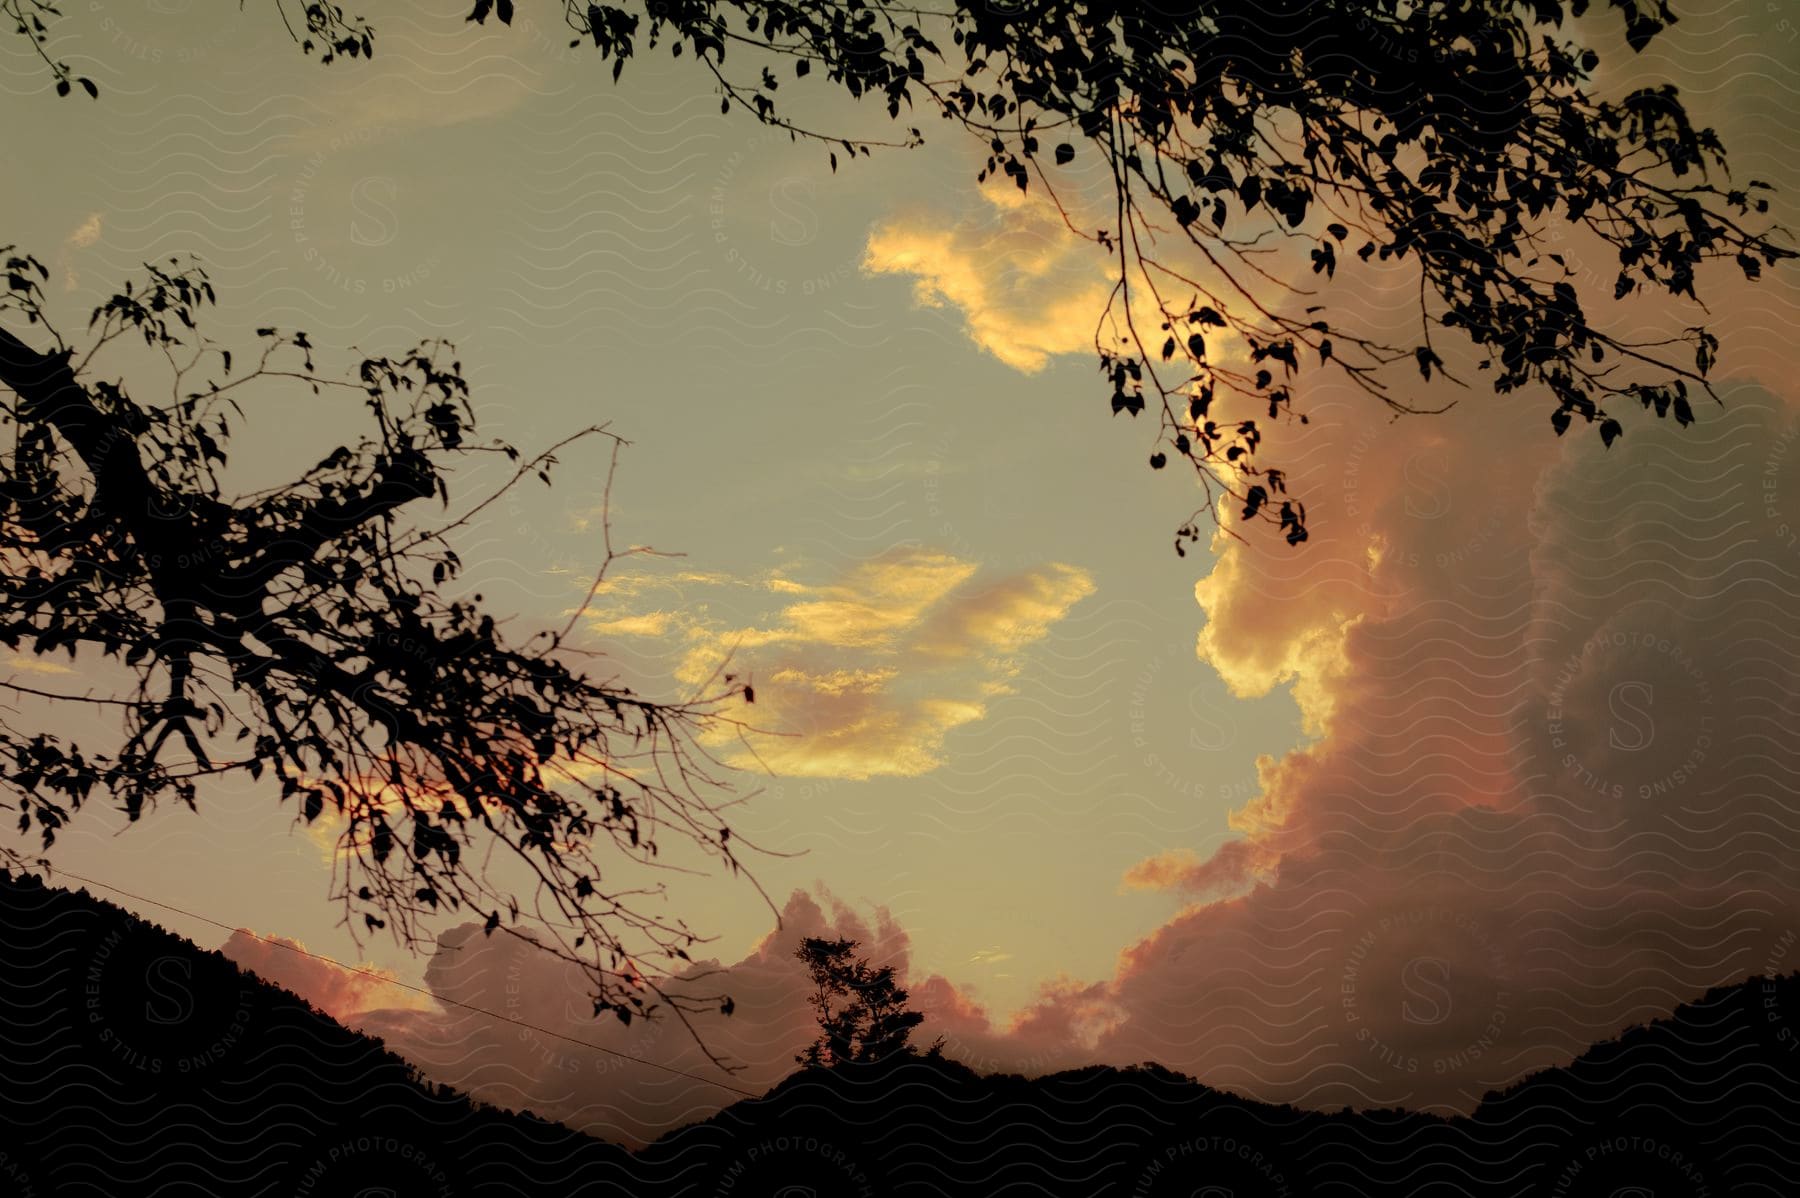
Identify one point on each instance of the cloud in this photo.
(653, 623)
(83, 236)
(864, 674)
(549, 1054)
(86, 234)
(1171, 870)
(341, 992)
(1028, 288)
(874, 670)
(1549, 771)
(36, 664)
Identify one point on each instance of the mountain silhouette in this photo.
(134, 1063)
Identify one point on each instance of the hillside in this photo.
(134, 1063)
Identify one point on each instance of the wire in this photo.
(295, 948)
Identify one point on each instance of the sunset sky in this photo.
(1502, 760)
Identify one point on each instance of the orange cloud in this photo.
(547, 1052)
(1165, 871)
(341, 992)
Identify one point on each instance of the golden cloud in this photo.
(866, 674)
(1028, 288)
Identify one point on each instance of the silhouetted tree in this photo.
(304, 631)
(1446, 133)
(861, 1010)
(314, 26)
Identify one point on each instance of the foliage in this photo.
(1445, 134)
(305, 631)
(317, 26)
(1442, 134)
(861, 1010)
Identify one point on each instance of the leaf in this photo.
(93, 92)
(1065, 153)
(1127, 403)
(504, 9)
(1609, 432)
(1158, 461)
(493, 921)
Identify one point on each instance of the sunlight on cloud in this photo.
(652, 623)
(1165, 871)
(340, 990)
(86, 234)
(1027, 287)
(36, 664)
(865, 675)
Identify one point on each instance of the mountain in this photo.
(133, 1063)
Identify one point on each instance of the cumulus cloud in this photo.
(861, 674)
(1548, 690)
(873, 671)
(1028, 288)
(1550, 767)
(548, 1053)
(1171, 870)
(340, 991)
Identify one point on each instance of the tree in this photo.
(306, 631)
(314, 26)
(1444, 134)
(861, 1010)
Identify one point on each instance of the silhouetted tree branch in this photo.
(1447, 134)
(303, 631)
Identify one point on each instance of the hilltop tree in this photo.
(308, 631)
(861, 1010)
(1446, 134)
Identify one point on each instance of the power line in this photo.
(369, 973)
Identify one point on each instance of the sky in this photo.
(1502, 761)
